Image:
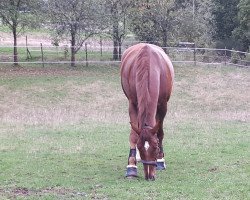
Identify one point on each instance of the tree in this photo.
(195, 22)
(155, 20)
(225, 14)
(78, 19)
(169, 21)
(118, 21)
(17, 15)
(242, 32)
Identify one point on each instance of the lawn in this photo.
(64, 135)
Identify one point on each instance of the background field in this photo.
(64, 135)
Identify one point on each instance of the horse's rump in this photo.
(147, 77)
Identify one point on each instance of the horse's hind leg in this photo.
(133, 138)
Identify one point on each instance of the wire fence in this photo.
(99, 54)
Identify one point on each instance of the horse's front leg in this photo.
(160, 159)
(132, 168)
(160, 135)
(161, 112)
(133, 138)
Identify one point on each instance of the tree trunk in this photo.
(165, 40)
(115, 31)
(120, 48)
(73, 51)
(15, 55)
(73, 56)
(115, 49)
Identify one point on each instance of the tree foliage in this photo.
(195, 23)
(154, 21)
(232, 24)
(242, 32)
(76, 19)
(118, 14)
(17, 15)
(225, 13)
(222, 23)
(168, 22)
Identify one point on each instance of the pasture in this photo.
(64, 135)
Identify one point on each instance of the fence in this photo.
(104, 54)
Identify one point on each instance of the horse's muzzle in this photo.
(145, 162)
(149, 169)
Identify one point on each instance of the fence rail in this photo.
(104, 55)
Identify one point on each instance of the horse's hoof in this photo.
(151, 179)
(161, 164)
(131, 171)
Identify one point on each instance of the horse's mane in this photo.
(142, 84)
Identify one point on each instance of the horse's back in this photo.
(130, 55)
(160, 69)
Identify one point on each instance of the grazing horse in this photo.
(147, 77)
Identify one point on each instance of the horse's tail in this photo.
(142, 84)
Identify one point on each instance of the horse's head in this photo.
(148, 154)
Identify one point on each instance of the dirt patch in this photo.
(35, 39)
(14, 193)
(38, 71)
(6, 39)
(213, 169)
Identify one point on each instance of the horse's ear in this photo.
(156, 127)
(135, 128)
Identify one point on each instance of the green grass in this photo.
(64, 135)
(51, 54)
(4, 29)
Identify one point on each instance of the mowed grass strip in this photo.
(64, 135)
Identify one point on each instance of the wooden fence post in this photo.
(225, 56)
(28, 54)
(42, 54)
(101, 46)
(194, 54)
(86, 54)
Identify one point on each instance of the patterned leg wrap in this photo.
(131, 169)
(132, 153)
(161, 165)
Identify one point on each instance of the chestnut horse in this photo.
(147, 77)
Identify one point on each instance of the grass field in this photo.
(52, 54)
(64, 135)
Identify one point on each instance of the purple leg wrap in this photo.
(132, 153)
(131, 171)
(161, 164)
